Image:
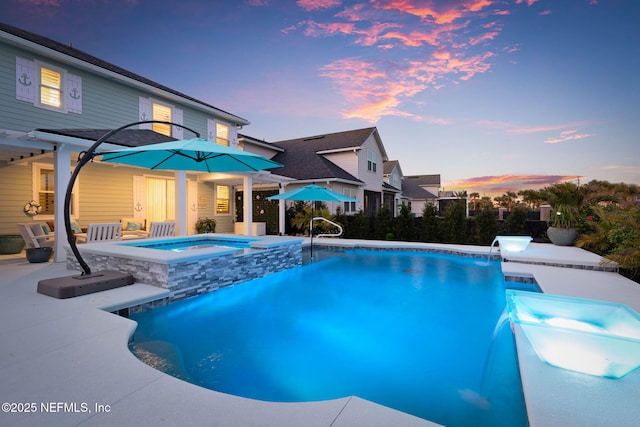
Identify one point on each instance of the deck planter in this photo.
(11, 244)
(39, 254)
(562, 236)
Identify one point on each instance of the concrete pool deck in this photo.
(70, 357)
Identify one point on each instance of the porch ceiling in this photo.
(16, 146)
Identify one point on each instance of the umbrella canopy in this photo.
(195, 154)
(313, 193)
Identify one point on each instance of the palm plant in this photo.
(615, 233)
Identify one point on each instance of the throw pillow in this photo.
(75, 227)
(133, 226)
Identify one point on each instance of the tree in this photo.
(474, 199)
(430, 223)
(455, 223)
(383, 226)
(532, 198)
(404, 225)
(485, 227)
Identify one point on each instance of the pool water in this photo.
(422, 333)
(190, 244)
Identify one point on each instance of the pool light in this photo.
(592, 337)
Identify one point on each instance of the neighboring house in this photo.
(392, 197)
(350, 163)
(56, 101)
(420, 190)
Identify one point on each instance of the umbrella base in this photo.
(73, 286)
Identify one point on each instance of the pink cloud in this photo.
(567, 135)
(443, 13)
(318, 4)
(499, 184)
(452, 40)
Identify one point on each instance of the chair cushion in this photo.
(75, 227)
(134, 226)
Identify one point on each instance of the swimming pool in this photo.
(422, 333)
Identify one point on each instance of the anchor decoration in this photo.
(24, 80)
(74, 94)
(143, 116)
(138, 207)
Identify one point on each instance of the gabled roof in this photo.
(304, 157)
(91, 60)
(390, 165)
(338, 141)
(302, 163)
(414, 191)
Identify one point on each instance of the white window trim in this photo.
(164, 104)
(63, 79)
(215, 206)
(35, 187)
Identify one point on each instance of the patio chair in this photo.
(35, 237)
(101, 233)
(162, 229)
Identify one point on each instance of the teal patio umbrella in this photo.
(312, 193)
(194, 154)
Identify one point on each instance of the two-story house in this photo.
(56, 101)
(349, 162)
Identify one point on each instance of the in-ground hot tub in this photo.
(193, 265)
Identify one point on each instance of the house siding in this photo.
(15, 182)
(105, 104)
(349, 161)
(373, 180)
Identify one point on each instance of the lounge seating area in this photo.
(37, 235)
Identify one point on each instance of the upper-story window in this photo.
(50, 88)
(47, 86)
(163, 113)
(222, 134)
(151, 109)
(372, 161)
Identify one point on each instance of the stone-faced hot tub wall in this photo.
(195, 272)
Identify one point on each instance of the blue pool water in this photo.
(422, 333)
(189, 244)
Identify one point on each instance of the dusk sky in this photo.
(493, 95)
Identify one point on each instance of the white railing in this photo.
(338, 234)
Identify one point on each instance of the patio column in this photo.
(247, 183)
(181, 202)
(61, 177)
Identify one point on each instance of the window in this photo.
(222, 199)
(222, 134)
(371, 161)
(50, 88)
(163, 113)
(44, 191)
(349, 207)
